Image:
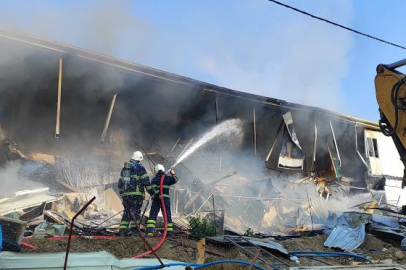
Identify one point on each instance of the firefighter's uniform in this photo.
(132, 184)
(156, 202)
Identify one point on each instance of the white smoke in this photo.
(296, 58)
(11, 181)
(104, 26)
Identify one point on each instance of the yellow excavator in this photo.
(390, 85)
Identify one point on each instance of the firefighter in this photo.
(132, 184)
(156, 198)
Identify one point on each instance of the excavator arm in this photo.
(390, 86)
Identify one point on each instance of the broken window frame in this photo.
(289, 132)
(372, 147)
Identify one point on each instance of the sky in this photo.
(253, 46)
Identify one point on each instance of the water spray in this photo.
(225, 129)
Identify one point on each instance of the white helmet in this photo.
(137, 156)
(159, 168)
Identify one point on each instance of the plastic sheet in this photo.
(83, 261)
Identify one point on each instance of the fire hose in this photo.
(161, 241)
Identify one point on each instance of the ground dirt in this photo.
(179, 249)
(182, 248)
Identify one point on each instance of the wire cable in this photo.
(199, 266)
(338, 25)
(229, 261)
(328, 254)
(155, 267)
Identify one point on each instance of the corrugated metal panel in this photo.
(268, 243)
(346, 238)
(385, 220)
(265, 242)
(23, 201)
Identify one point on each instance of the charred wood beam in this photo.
(58, 106)
(1, 133)
(108, 118)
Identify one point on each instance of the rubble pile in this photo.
(266, 213)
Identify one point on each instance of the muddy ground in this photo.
(182, 249)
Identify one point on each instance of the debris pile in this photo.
(39, 221)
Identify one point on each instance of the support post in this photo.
(1, 133)
(58, 106)
(216, 107)
(214, 215)
(274, 142)
(254, 126)
(314, 145)
(108, 118)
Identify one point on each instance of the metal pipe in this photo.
(58, 106)
(396, 64)
(71, 230)
(98, 224)
(145, 241)
(310, 209)
(184, 149)
(201, 206)
(176, 143)
(173, 148)
(356, 148)
(211, 184)
(335, 143)
(108, 118)
(254, 260)
(214, 215)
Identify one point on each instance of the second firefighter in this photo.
(168, 181)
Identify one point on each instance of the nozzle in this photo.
(169, 169)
